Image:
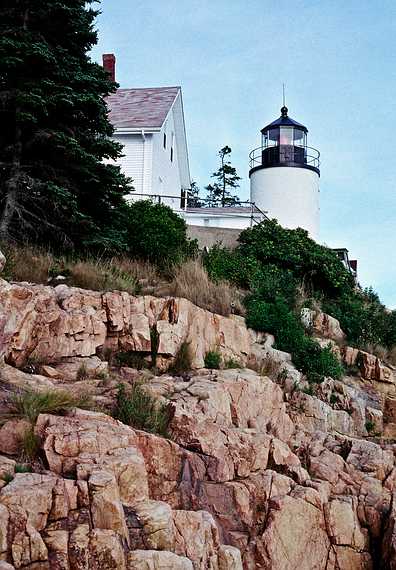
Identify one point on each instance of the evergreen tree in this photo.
(193, 200)
(226, 180)
(55, 185)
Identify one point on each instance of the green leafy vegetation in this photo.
(29, 404)
(283, 270)
(213, 359)
(232, 363)
(30, 444)
(56, 186)
(138, 408)
(156, 233)
(82, 373)
(7, 478)
(183, 359)
(226, 180)
(369, 425)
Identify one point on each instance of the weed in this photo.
(154, 338)
(369, 425)
(30, 444)
(29, 404)
(213, 359)
(308, 390)
(7, 478)
(22, 468)
(82, 372)
(138, 408)
(333, 399)
(183, 359)
(232, 363)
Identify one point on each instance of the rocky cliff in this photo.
(260, 471)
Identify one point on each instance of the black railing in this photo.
(292, 155)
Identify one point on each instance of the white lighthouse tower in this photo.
(284, 175)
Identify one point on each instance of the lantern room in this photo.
(284, 143)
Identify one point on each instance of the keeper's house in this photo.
(149, 123)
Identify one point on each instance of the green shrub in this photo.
(213, 359)
(7, 478)
(138, 408)
(369, 425)
(183, 359)
(232, 363)
(30, 444)
(316, 362)
(156, 233)
(82, 372)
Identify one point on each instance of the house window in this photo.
(172, 154)
(164, 140)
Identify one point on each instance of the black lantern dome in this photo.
(284, 143)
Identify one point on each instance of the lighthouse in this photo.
(284, 175)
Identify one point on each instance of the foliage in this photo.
(156, 233)
(7, 478)
(82, 372)
(226, 180)
(213, 359)
(29, 404)
(193, 200)
(308, 356)
(232, 363)
(30, 444)
(318, 266)
(183, 359)
(138, 408)
(22, 468)
(57, 185)
(369, 425)
(363, 318)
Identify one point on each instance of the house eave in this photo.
(136, 130)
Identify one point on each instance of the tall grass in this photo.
(29, 404)
(192, 282)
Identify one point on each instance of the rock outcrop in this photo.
(258, 473)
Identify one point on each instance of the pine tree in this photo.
(226, 180)
(193, 200)
(55, 184)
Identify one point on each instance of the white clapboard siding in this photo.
(137, 162)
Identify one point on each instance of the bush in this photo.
(308, 356)
(138, 408)
(232, 363)
(30, 444)
(183, 360)
(156, 233)
(271, 244)
(213, 359)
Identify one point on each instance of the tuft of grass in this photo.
(30, 444)
(22, 468)
(192, 282)
(7, 478)
(82, 372)
(101, 275)
(232, 363)
(138, 408)
(183, 359)
(369, 425)
(37, 270)
(29, 404)
(213, 359)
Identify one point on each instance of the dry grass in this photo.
(392, 356)
(35, 265)
(27, 264)
(378, 350)
(192, 282)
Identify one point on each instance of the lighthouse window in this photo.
(286, 136)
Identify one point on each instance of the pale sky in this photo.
(337, 58)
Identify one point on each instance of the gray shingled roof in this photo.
(140, 108)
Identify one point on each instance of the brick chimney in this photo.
(109, 63)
